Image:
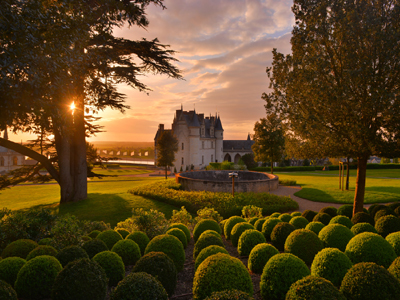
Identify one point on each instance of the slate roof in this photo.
(229, 145)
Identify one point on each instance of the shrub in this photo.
(66, 231)
(237, 231)
(275, 215)
(228, 295)
(285, 217)
(220, 272)
(179, 234)
(213, 232)
(280, 233)
(341, 220)
(383, 213)
(206, 252)
(331, 264)
(139, 286)
(379, 208)
(394, 240)
(183, 217)
(303, 243)
(140, 238)
(309, 215)
(94, 233)
(330, 210)
(363, 227)
(128, 250)
(387, 224)
(112, 264)
(280, 272)
(315, 227)
(160, 266)
(397, 210)
(335, 236)
(36, 277)
(248, 240)
(19, 248)
(253, 220)
(89, 226)
(394, 268)
(123, 232)
(250, 211)
(313, 288)
(394, 205)
(222, 225)
(259, 256)
(45, 241)
(371, 208)
(323, 218)
(42, 250)
(71, 253)
(345, 210)
(362, 217)
(9, 268)
(299, 222)
(182, 227)
(169, 245)
(109, 237)
(93, 247)
(203, 225)
(81, 279)
(259, 224)
(205, 240)
(365, 281)
(7, 292)
(296, 214)
(268, 226)
(370, 247)
(232, 221)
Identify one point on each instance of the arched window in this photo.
(227, 158)
(1, 161)
(15, 161)
(237, 157)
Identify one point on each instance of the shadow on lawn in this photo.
(315, 195)
(384, 189)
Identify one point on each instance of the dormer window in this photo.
(202, 131)
(212, 131)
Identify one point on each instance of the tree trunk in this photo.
(360, 185)
(272, 167)
(347, 173)
(166, 172)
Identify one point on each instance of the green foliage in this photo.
(139, 285)
(387, 224)
(330, 210)
(370, 247)
(94, 233)
(140, 238)
(112, 264)
(315, 227)
(182, 216)
(394, 240)
(182, 227)
(220, 272)
(363, 227)
(206, 252)
(250, 211)
(299, 222)
(42, 250)
(295, 214)
(259, 224)
(19, 248)
(313, 288)
(259, 256)
(45, 241)
(203, 225)
(7, 292)
(67, 231)
(128, 250)
(179, 234)
(362, 217)
(280, 233)
(253, 220)
(205, 240)
(70, 253)
(248, 240)
(335, 236)
(268, 226)
(237, 231)
(208, 213)
(35, 279)
(394, 268)
(171, 246)
(285, 217)
(109, 237)
(81, 279)
(383, 213)
(324, 218)
(166, 147)
(369, 281)
(161, 267)
(343, 220)
(345, 210)
(275, 215)
(123, 232)
(331, 264)
(280, 272)
(94, 246)
(303, 243)
(229, 294)
(287, 182)
(309, 215)
(230, 223)
(249, 161)
(9, 268)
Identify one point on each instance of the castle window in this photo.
(212, 158)
(212, 145)
(183, 146)
(2, 161)
(202, 145)
(15, 161)
(202, 159)
(202, 131)
(183, 161)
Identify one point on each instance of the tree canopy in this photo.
(166, 147)
(338, 91)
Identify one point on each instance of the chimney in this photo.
(161, 127)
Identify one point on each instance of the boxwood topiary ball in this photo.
(93, 247)
(259, 224)
(205, 240)
(365, 281)
(19, 248)
(45, 241)
(393, 205)
(341, 220)
(324, 218)
(309, 215)
(331, 264)
(42, 250)
(313, 288)
(299, 222)
(280, 233)
(112, 264)
(213, 232)
(372, 207)
(160, 266)
(229, 295)
(184, 228)
(139, 286)
(206, 252)
(70, 253)
(345, 210)
(295, 214)
(280, 272)
(268, 226)
(140, 238)
(93, 234)
(383, 213)
(203, 225)
(123, 232)
(303, 243)
(109, 237)
(232, 221)
(394, 268)
(220, 272)
(394, 240)
(7, 292)
(362, 217)
(285, 217)
(81, 279)
(362, 227)
(179, 234)
(259, 256)
(253, 220)
(387, 224)
(397, 210)
(378, 208)
(171, 246)
(128, 250)
(36, 278)
(370, 247)
(330, 210)
(315, 227)
(248, 240)
(335, 236)
(222, 225)
(275, 215)
(9, 268)
(237, 231)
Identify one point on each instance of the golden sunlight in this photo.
(72, 106)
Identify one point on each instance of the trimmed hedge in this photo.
(42, 250)
(248, 240)
(280, 233)
(237, 231)
(19, 248)
(182, 227)
(112, 264)
(285, 217)
(330, 210)
(394, 268)
(335, 236)
(93, 247)
(259, 224)
(345, 210)
(109, 237)
(259, 256)
(362, 217)
(343, 220)
(230, 223)
(205, 240)
(206, 252)
(309, 215)
(268, 226)
(315, 227)
(394, 240)
(299, 222)
(7, 292)
(363, 227)
(324, 218)
(303, 243)
(128, 250)
(141, 238)
(9, 268)
(387, 224)
(179, 234)
(229, 295)
(70, 253)
(123, 232)
(203, 225)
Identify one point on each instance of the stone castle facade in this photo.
(9, 159)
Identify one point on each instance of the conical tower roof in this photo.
(218, 124)
(195, 120)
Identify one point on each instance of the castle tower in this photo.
(219, 135)
(194, 140)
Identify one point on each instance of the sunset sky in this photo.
(224, 47)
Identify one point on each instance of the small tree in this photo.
(167, 145)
